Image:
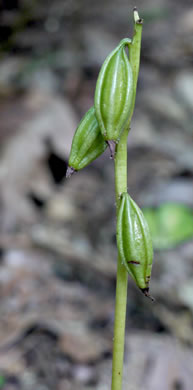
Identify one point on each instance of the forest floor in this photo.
(57, 236)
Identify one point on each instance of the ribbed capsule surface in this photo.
(114, 92)
(134, 242)
(88, 142)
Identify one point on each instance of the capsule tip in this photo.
(145, 291)
(69, 172)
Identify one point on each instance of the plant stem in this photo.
(122, 275)
(134, 52)
(120, 187)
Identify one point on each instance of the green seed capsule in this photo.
(114, 92)
(87, 144)
(134, 242)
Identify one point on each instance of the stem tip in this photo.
(137, 19)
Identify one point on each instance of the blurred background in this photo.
(57, 236)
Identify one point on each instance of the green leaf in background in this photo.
(2, 381)
(170, 224)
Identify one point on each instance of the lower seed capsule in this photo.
(88, 143)
(134, 242)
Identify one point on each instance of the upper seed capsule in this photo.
(114, 91)
(87, 143)
(134, 242)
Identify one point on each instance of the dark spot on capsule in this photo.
(133, 262)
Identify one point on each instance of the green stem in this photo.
(120, 187)
(134, 52)
(122, 275)
(121, 166)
